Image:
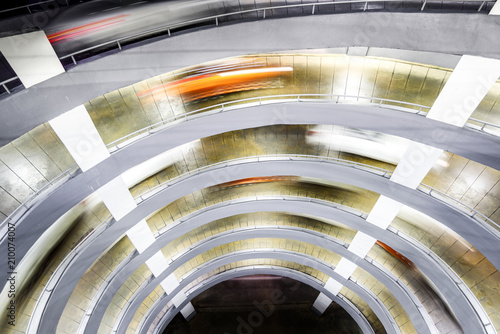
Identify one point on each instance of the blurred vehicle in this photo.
(235, 76)
(209, 85)
(256, 180)
(371, 144)
(88, 24)
(403, 259)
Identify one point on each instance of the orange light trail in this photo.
(397, 255)
(220, 83)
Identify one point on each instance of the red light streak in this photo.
(85, 29)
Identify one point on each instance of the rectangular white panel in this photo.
(157, 264)
(469, 82)
(361, 244)
(496, 9)
(321, 303)
(32, 57)
(179, 298)
(187, 311)
(384, 211)
(117, 198)
(333, 286)
(78, 133)
(417, 161)
(170, 283)
(345, 268)
(141, 236)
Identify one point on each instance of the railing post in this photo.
(366, 5)
(216, 21)
(264, 15)
(29, 10)
(481, 7)
(6, 89)
(168, 30)
(423, 6)
(73, 58)
(314, 7)
(119, 45)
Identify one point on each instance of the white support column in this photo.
(469, 83)
(141, 236)
(464, 90)
(31, 56)
(496, 9)
(188, 311)
(157, 264)
(79, 134)
(117, 198)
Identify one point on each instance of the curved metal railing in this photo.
(489, 224)
(209, 281)
(118, 144)
(414, 108)
(62, 268)
(118, 43)
(195, 272)
(262, 11)
(35, 4)
(221, 107)
(39, 309)
(469, 295)
(35, 198)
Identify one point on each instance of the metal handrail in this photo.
(210, 279)
(168, 28)
(341, 207)
(223, 107)
(100, 292)
(283, 98)
(482, 126)
(260, 100)
(471, 212)
(54, 279)
(30, 201)
(253, 159)
(446, 199)
(3, 83)
(468, 294)
(30, 5)
(63, 266)
(61, 269)
(216, 18)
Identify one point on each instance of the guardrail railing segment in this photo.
(35, 198)
(266, 12)
(267, 99)
(39, 309)
(117, 45)
(118, 144)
